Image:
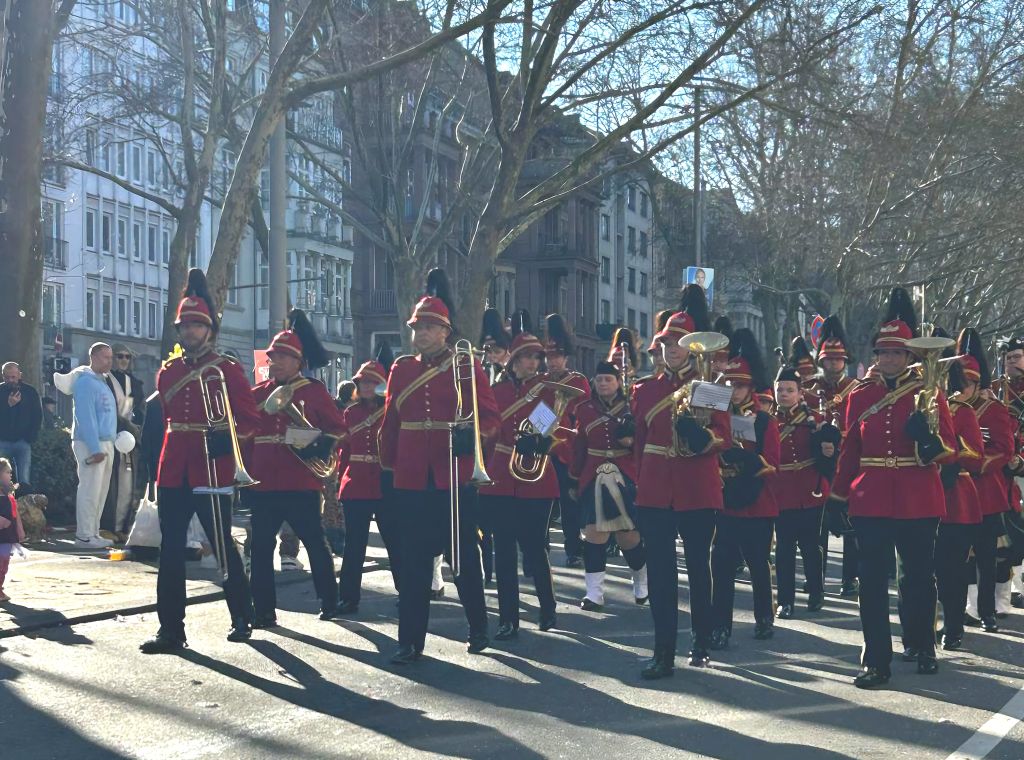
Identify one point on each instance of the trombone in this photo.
(463, 368)
(217, 408)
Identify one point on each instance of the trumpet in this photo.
(280, 400)
(702, 345)
(933, 375)
(463, 368)
(217, 408)
(530, 468)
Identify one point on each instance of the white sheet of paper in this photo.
(710, 395)
(543, 418)
(743, 427)
(295, 436)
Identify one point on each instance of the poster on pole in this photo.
(261, 365)
(705, 277)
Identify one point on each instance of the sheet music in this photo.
(710, 395)
(543, 418)
(743, 427)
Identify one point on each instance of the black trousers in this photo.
(659, 529)
(358, 513)
(424, 518)
(952, 552)
(176, 507)
(749, 538)
(302, 511)
(850, 558)
(522, 521)
(985, 557)
(798, 528)
(486, 524)
(914, 542)
(572, 512)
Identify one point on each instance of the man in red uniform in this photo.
(678, 489)
(288, 490)
(193, 449)
(414, 445)
(363, 494)
(889, 481)
(1010, 390)
(558, 347)
(992, 482)
(826, 394)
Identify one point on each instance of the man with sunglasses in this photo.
(131, 403)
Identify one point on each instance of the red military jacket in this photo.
(562, 448)
(360, 460)
(962, 504)
(1012, 392)
(765, 505)
(879, 471)
(997, 432)
(595, 441)
(834, 396)
(414, 438)
(274, 463)
(183, 461)
(515, 402)
(666, 477)
(798, 484)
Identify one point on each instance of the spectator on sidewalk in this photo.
(11, 530)
(131, 402)
(92, 440)
(51, 420)
(21, 415)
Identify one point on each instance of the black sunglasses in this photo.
(124, 356)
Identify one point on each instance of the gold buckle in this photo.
(428, 424)
(890, 462)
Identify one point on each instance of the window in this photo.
(136, 317)
(264, 281)
(151, 244)
(151, 168)
(107, 223)
(121, 160)
(643, 283)
(91, 144)
(606, 311)
(606, 269)
(643, 324)
(53, 304)
(122, 314)
(90, 229)
(90, 309)
(105, 317)
(233, 279)
(631, 318)
(136, 163)
(631, 240)
(606, 227)
(151, 319)
(631, 285)
(137, 241)
(643, 244)
(122, 236)
(165, 245)
(643, 204)
(631, 198)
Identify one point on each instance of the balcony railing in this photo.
(383, 302)
(55, 253)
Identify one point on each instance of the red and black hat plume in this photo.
(492, 331)
(313, 351)
(695, 303)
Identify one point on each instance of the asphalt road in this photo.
(311, 689)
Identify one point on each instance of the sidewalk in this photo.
(60, 584)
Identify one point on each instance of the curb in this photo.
(208, 596)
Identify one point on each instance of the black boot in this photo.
(405, 655)
(241, 629)
(548, 620)
(910, 654)
(162, 644)
(869, 678)
(719, 639)
(815, 603)
(348, 608)
(764, 629)
(699, 656)
(927, 665)
(265, 620)
(952, 643)
(661, 665)
(989, 625)
(784, 612)
(506, 632)
(478, 642)
(850, 589)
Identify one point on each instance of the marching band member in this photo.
(827, 393)
(807, 463)
(746, 526)
(654, 349)
(992, 483)
(364, 494)
(720, 358)
(519, 509)
(604, 465)
(800, 358)
(191, 449)
(288, 490)
(678, 489)
(1010, 390)
(414, 446)
(888, 481)
(558, 347)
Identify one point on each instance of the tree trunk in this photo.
(177, 271)
(482, 255)
(29, 43)
(409, 281)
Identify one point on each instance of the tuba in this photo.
(280, 400)
(933, 375)
(530, 468)
(702, 345)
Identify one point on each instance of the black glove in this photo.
(740, 457)
(696, 437)
(463, 444)
(826, 466)
(929, 446)
(533, 444)
(218, 443)
(626, 427)
(318, 449)
(827, 433)
(837, 517)
(1014, 468)
(949, 473)
(387, 483)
